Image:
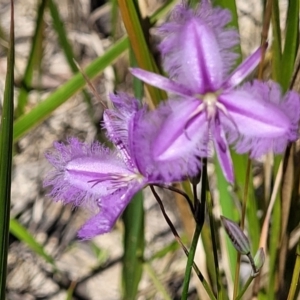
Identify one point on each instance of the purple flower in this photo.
(197, 54)
(94, 176)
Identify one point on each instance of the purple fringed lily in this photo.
(95, 176)
(197, 54)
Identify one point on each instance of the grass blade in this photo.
(23, 235)
(34, 58)
(6, 144)
(134, 244)
(139, 45)
(276, 42)
(66, 47)
(290, 45)
(231, 5)
(62, 35)
(62, 94)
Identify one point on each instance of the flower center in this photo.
(210, 104)
(118, 180)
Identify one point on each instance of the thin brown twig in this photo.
(178, 191)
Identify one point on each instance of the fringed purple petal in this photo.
(82, 172)
(111, 207)
(124, 104)
(161, 82)
(264, 120)
(168, 142)
(198, 47)
(118, 123)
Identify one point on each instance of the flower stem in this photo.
(190, 261)
(199, 214)
(214, 244)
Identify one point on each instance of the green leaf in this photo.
(62, 94)
(276, 42)
(231, 5)
(67, 48)
(134, 243)
(229, 210)
(62, 35)
(290, 45)
(6, 145)
(21, 233)
(139, 45)
(33, 59)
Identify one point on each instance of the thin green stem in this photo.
(244, 207)
(190, 261)
(214, 244)
(199, 214)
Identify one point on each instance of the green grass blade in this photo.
(275, 232)
(290, 45)
(66, 47)
(139, 45)
(276, 42)
(62, 94)
(231, 5)
(33, 59)
(62, 35)
(229, 211)
(6, 145)
(163, 10)
(134, 244)
(21, 233)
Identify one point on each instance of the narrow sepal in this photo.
(244, 69)
(161, 82)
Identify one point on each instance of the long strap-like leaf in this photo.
(6, 140)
